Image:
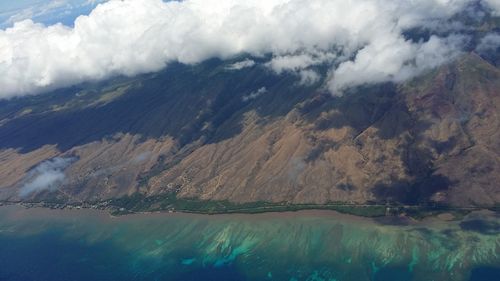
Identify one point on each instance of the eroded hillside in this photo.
(211, 133)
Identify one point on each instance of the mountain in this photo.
(249, 135)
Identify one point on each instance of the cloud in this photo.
(130, 37)
(241, 64)
(142, 157)
(255, 94)
(301, 64)
(48, 175)
(308, 77)
(295, 63)
(394, 59)
(37, 10)
(490, 42)
(93, 2)
(494, 5)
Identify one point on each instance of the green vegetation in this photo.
(420, 212)
(169, 202)
(140, 203)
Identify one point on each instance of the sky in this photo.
(360, 41)
(15, 5)
(44, 11)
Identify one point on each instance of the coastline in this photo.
(18, 212)
(390, 212)
(279, 240)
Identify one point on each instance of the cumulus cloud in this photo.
(48, 175)
(130, 37)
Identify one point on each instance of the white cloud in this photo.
(48, 175)
(255, 94)
(241, 64)
(393, 59)
(300, 64)
(308, 77)
(295, 63)
(130, 37)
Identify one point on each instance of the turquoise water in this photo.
(38, 244)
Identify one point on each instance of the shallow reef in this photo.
(309, 245)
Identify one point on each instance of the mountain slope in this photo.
(245, 136)
(436, 141)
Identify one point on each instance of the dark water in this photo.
(49, 256)
(48, 245)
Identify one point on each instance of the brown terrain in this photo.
(190, 131)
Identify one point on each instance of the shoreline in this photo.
(394, 212)
(20, 212)
(210, 239)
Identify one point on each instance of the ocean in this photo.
(66, 245)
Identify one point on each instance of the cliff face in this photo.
(207, 132)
